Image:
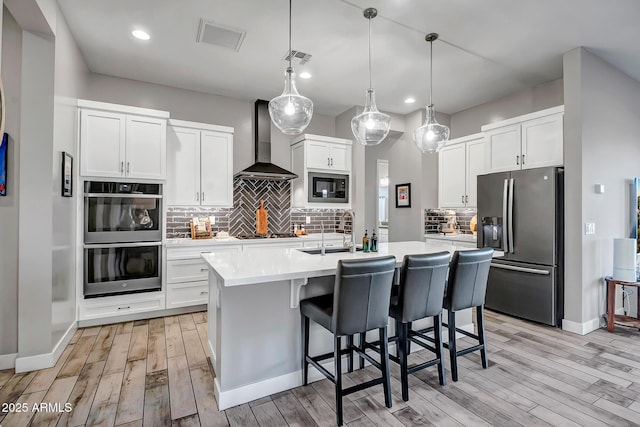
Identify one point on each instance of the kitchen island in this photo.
(254, 320)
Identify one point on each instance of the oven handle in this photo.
(122, 245)
(123, 196)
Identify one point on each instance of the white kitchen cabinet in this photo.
(200, 165)
(524, 142)
(318, 154)
(460, 163)
(327, 154)
(188, 274)
(118, 141)
(120, 305)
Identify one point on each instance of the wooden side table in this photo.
(612, 318)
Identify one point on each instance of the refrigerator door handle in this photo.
(505, 192)
(521, 269)
(510, 217)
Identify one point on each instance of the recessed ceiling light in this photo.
(139, 34)
(409, 100)
(305, 75)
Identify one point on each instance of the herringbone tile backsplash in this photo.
(247, 194)
(241, 219)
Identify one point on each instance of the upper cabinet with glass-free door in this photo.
(459, 164)
(200, 164)
(118, 141)
(525, 142)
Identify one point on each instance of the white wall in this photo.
(205, 108)
(9, 212)
(601, 146)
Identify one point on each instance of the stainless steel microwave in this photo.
(328, 188)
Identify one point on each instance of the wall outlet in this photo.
(308, 219)
(589, 228)
(212, 220)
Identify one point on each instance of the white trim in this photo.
(581, 328)
(517, 120)
(247, 393)
(46, 360)
(8, 361)
(199, 126)
(126, 109)
(320, 138)
(467, 138)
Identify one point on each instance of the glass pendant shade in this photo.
(291, 112)
(371, 127)
(431, 136)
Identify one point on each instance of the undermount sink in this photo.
(329, 250)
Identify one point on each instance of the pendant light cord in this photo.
(370, 78)
(290, 1)
(431, 73)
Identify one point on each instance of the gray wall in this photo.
(601, 147)
(11, 76)
(204, 108)
(539, 97)
(71, 77)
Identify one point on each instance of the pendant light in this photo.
(431, 136)
(371, 127)
(290, 112)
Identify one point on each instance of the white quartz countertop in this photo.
(457, 237)
(234, 241)
(261, 265)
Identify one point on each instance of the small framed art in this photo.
(67, 174)
(403, 195)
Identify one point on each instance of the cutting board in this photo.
(262, 222)
(473, 224)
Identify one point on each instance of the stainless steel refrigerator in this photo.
(521, 213)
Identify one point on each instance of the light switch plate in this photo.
(308, 219)
(589, 228)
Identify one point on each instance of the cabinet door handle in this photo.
(328, 161)
(204, 269)
(203, 196)
(517, 160)
(204, 293)
(466, 199)
(462, 199)
(124, 308)
(121, 167)
(523, 159)
(197, 196)
(128, 167)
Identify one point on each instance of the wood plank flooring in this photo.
(155, 373)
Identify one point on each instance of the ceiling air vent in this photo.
(220, 35)
(296, 54)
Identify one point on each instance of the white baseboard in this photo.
(581, 328)
(238, 396)
(47, 360)
(8, 361)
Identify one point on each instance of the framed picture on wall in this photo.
(3, 165)
(403, 195)
(67, 174)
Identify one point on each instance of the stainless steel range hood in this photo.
(263, 168)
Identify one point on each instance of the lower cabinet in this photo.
(120, 305)
(188, 275)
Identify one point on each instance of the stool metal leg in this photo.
(398, 326)
(305, 349)
(402, 346)
(384, 362)
(452, 345)
(338, 372)
(409, 326)
(350, 354)
(483, 350)
(437, 332)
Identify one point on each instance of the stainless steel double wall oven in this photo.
(122, 238)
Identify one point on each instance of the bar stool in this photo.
(466, 288)
(420, 294)
(359, 303)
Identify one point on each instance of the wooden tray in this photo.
(200, 228)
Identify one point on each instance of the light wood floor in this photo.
(156, 373)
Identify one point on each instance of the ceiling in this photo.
(487, 49)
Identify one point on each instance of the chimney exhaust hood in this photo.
(263, 168)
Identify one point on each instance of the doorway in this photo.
(382, 207)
